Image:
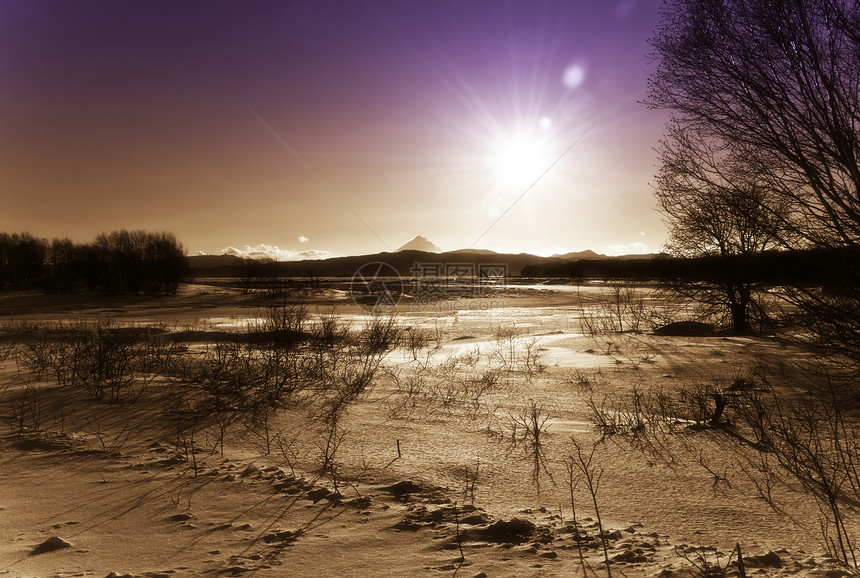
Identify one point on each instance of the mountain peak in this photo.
(419, 243)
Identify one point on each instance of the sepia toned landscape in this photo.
(298, 433)
(430, 289)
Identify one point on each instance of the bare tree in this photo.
(777, 84)
(765, 99)
(716, 205)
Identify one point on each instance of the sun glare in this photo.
(520, 159)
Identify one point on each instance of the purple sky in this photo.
(331, 126)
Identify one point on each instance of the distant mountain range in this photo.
(403, 260)
(777, 267)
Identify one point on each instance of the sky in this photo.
(303, 129)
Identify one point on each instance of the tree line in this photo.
(819, 267)
(117, 263)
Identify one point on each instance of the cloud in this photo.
(303, 239)
(314, 254)
(631, 249)
(264, 251)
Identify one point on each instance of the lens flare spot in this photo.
(574, 76)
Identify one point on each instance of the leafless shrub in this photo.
(329, 330)
(35, 354)
(447, 393)
(226, 373)
(470, 358)
(233, 382)
(186, 417)
(574, 476)
(593, 324)
(417, 339)
(815, 440)
(592, 475)
(379, 334)
(279, 325)
(658, 409)
(503, 349)
(622, 303)
(412, 385)
(287, 446)
(26, 408)
(108, 360)
(605, 414)
(6, 348)
(693, 406)
(584, 379)
(527, 431)
(108, 442)
(704, 565)
(222, 419)
(531, 361)
(470, 481)
(109, 369)
(451, 385)
(411, 389)
(49, 349)
(438, 330)
(475, 387)
(781, 441)
(258, 422)
(720, 473)
(449, 367)
(331, 440)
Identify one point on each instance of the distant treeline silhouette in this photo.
(117, 263)
(813, 267)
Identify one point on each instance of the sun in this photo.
(519, 158)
